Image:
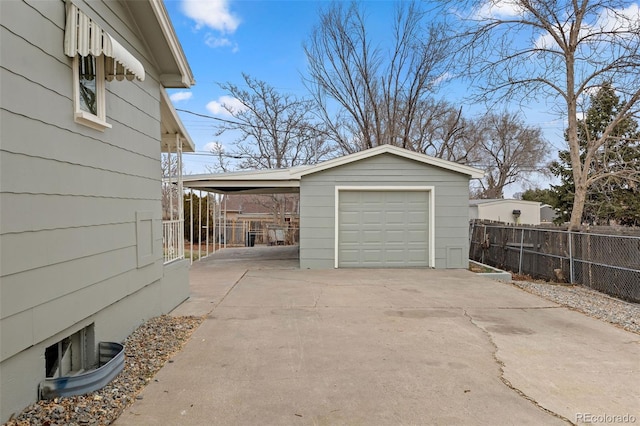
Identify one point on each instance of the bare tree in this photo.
(509, 151)
(441, 131)
(275, 130)
(557, 51)
(224, 160)
(369, 95)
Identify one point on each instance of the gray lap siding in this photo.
(317, 203)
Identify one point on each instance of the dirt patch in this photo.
(479, 269)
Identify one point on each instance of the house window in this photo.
(97, 57)
(70, 356)
(89, 91)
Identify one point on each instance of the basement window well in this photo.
(72, 367)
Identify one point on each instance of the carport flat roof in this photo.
(246, 182)
(288, 180)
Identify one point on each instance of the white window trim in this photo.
(97, 122)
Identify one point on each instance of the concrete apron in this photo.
(384, 347)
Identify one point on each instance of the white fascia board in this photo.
(230, 184)
(256, 175)
(390, 149)
(176, 123)
(186, 75)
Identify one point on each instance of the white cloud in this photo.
(180, 96)
(442, 78)
(499, 9)
(214, 42)
(620, 20)
(214, 14)
(224, 104)
(214, 147)
(546, 40)
(609, 21)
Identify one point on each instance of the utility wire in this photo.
(241, 157)
(237, 123)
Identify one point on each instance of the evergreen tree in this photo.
(202, 218)
(614, 172)
(544, 196)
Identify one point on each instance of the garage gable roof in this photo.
(394, 150)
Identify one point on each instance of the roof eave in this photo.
(382, 149)
(186, 79)
(172, 127)
(156, 29)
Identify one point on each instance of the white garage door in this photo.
(383, 229)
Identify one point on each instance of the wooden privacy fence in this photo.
(603, 262)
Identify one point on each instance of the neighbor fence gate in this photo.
(603, 262)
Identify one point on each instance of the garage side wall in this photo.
(317, 206)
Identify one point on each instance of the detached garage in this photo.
(385, 207)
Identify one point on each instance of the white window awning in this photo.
(82, 36)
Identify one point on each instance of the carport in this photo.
(385, 207)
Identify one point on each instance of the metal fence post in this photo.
(570, 259)
(484, 238)
(472, 227)
(473, 224)
(521, 252)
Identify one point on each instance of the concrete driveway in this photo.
(283, 346)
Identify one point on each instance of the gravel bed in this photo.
(590, 302)
(147, 349)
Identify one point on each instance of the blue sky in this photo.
(224, 38)
(261, 38)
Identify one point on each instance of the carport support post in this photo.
(213, 219)
(191, 230)
(225, 222)
(199, 224)
(207, 225)
(521, 252)
(220, 230)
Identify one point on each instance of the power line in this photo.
(237, 123)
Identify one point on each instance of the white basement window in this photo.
(97, 57)
(72, 355)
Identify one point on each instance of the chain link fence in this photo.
(604, 262)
